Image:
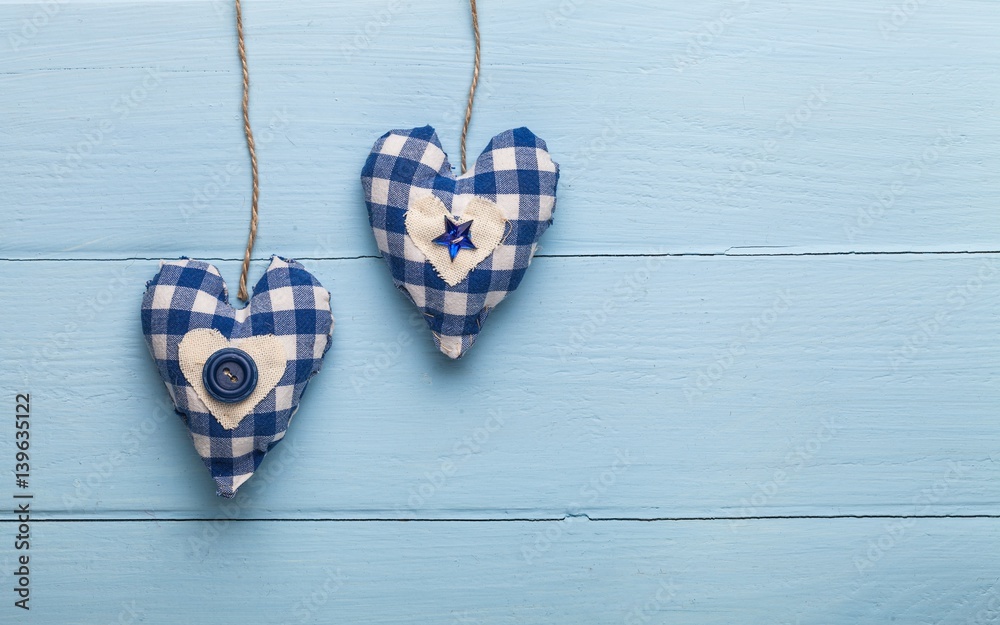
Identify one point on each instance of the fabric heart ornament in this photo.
(457, 245)
(236, 377)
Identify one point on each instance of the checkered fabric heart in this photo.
(286, 329)
(419, 211)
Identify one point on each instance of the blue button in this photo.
(230, 375)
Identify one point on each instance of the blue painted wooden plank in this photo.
(863, 571)
(734, 387)
(740, 385)
(696, 127)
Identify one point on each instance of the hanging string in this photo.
(242, 295)
(475, 81)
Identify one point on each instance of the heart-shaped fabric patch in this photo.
(267, 353)
(456, 246)
(424, 225)
(281, 337)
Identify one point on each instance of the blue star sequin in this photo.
(456, 237)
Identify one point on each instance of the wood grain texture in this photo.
(860, 379)
(129, 112)
(751, 377)
(779, 571)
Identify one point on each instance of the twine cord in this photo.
(251, 148)
(475, 81)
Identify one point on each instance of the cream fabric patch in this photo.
(267, 353)
(425, 222)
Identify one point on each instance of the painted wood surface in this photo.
(731, 386)
(752, 376)
(777, 571)
(783, 130)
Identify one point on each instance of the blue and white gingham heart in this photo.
(285, 329)
(457, 246)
